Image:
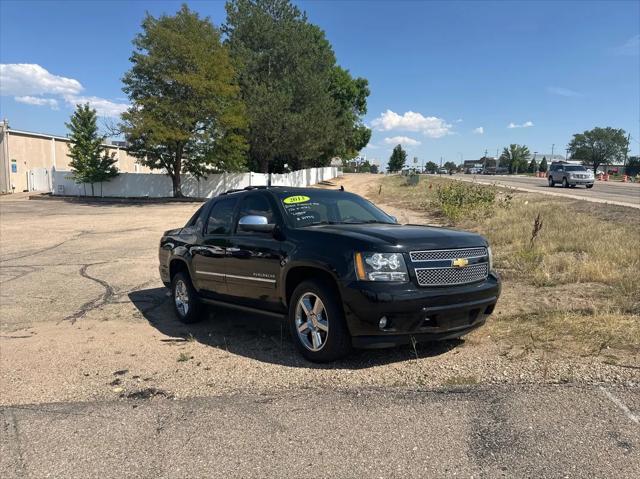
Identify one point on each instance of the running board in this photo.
(246, 309)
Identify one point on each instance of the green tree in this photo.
(544, 167)
(303, 109)
(515, 158)
(186, 115)
(90, 161)
(450, 166)
(397, 159)
(431, 167)
(533, 166)
(599, 146)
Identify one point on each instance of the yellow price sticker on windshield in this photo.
(292, 200)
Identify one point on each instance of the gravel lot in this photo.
(86, 328)
(81, 300)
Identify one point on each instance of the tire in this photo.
(589, 186)
(319, 339)
(186, 303)
(551, 182)
(565, 183)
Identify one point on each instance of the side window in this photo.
(195, 223)
(257, 205)
(221, 217)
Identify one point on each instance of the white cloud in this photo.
(459, 120)
(555, 90)
(479, 130)
(526, 124)
(372, 146)
(403, 140)
(21, 79)
(37, 101)
(102, 106)
(430, 126)
(629, 48)
(28, 82)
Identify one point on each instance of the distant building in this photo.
(484, 162)
(26, 158)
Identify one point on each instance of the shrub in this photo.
(458, 199)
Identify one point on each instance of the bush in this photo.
(458, 199)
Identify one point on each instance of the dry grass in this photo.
(574, 250)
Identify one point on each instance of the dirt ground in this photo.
(84, 316)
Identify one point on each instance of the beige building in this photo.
(26, 159)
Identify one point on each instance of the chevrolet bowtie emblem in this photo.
(459, 262)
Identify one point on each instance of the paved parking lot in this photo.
(98, 378)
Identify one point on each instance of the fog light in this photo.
(383, 322)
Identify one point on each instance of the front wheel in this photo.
(589, 186)
(565, 183)
(186, 302)
(317, 324)
(551, 182)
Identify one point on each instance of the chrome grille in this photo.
(449, 276)
(443, 254)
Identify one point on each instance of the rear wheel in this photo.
(590, 186)
(565, 183)
(186, 302)
(551, 182)
(317, 324)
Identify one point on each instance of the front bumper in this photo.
(580, 181)
(421, 314)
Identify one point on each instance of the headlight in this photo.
(490, 253)
(380, 267)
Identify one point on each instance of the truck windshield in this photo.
(575, 168)
(330, 207)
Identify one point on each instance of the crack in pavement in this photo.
(95, 303)
(43, 250)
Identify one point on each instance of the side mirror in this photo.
(395, 220)
(255, 224)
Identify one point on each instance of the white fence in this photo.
(150, 185)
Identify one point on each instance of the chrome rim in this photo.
(181, 298)
(312, 323)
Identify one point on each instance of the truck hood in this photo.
(405, 237)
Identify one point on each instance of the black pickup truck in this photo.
(344, 273)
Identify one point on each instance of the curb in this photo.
(114, 200)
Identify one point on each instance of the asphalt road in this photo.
(626, 194)
(560, 431)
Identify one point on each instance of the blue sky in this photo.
(448, 79)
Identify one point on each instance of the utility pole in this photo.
(552, 147)
(626, 151)
(566, 156)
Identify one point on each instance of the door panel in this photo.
(209, 257)
(253, 259)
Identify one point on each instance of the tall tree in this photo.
(515, 158)
(533, 166)
(303, 109)
(599, 146)
(186, 115)
(543, 165)
(431, 167)
(397, 159)
(90, 160)
(450, 166)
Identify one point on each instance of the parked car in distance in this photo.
(341, 271)
(569, 175)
